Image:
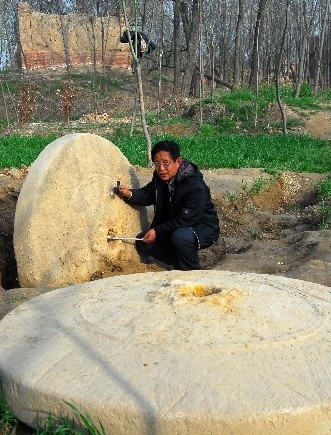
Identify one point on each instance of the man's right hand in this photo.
(123, 192)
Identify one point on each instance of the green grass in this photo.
(240, 105)
(269, 152)
(8, 422)
(165, 118)
(324, 188)
(260, 184)
(17, 151)
(220, 141)
(100, 80)
(324, 191)
(65, 426)
(50, 425)
(326, 216)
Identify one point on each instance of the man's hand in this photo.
(123, 192)
(150, 236)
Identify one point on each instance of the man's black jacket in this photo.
(190, 204)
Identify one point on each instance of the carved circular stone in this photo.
(175, 352)
(67, 207)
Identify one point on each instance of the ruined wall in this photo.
(54, 41)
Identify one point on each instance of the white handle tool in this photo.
(123, 238)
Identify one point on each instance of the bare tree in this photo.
(64, 32)
(321, 47)
(278, 67)
(304, 49)
(177, 47)
(237, 49)
(255, 54)
(137, 60)
(240, 41)
(201, 66)
(190, 20)
(161, 43)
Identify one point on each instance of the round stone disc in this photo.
(66, 209)
(175, 352)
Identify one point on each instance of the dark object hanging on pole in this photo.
(144, 44)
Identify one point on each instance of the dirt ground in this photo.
(273, 232)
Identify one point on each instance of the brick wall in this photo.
(54, 41)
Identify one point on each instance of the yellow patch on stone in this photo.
(228, 300)
(197, 292)
(197, 289)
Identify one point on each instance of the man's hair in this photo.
(166, 145)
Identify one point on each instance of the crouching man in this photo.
(185, 219)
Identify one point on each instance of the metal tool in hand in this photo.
(123, 238)
(118, 187)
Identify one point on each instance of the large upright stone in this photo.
(67, 207)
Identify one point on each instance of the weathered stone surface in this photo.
(175, 352)
(66, 208)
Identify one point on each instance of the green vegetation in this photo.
(326, 215)
(270, 152)
(50, 425)
(253, 234)
(239, 107)
(232, 196)
(59, 427)
(15, 299)
(87, 422)
(260, 184)
(8, 421)
(324, 190)
(287, 95)
(227, 112)
(17, 151)
(228, 138)
(325, 96)
(65, 426)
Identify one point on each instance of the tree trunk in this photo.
(304, 47)
(64, 32)
(191, 31)
(177, 48)
(219, 81)
(237, 48)
(320, 54)
(255, 53)
(143, 113)
(137, 63)
(201, 65)
(159, 87)
(278, 67)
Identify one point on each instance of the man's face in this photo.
(165, 167)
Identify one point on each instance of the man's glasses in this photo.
(164, 163)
